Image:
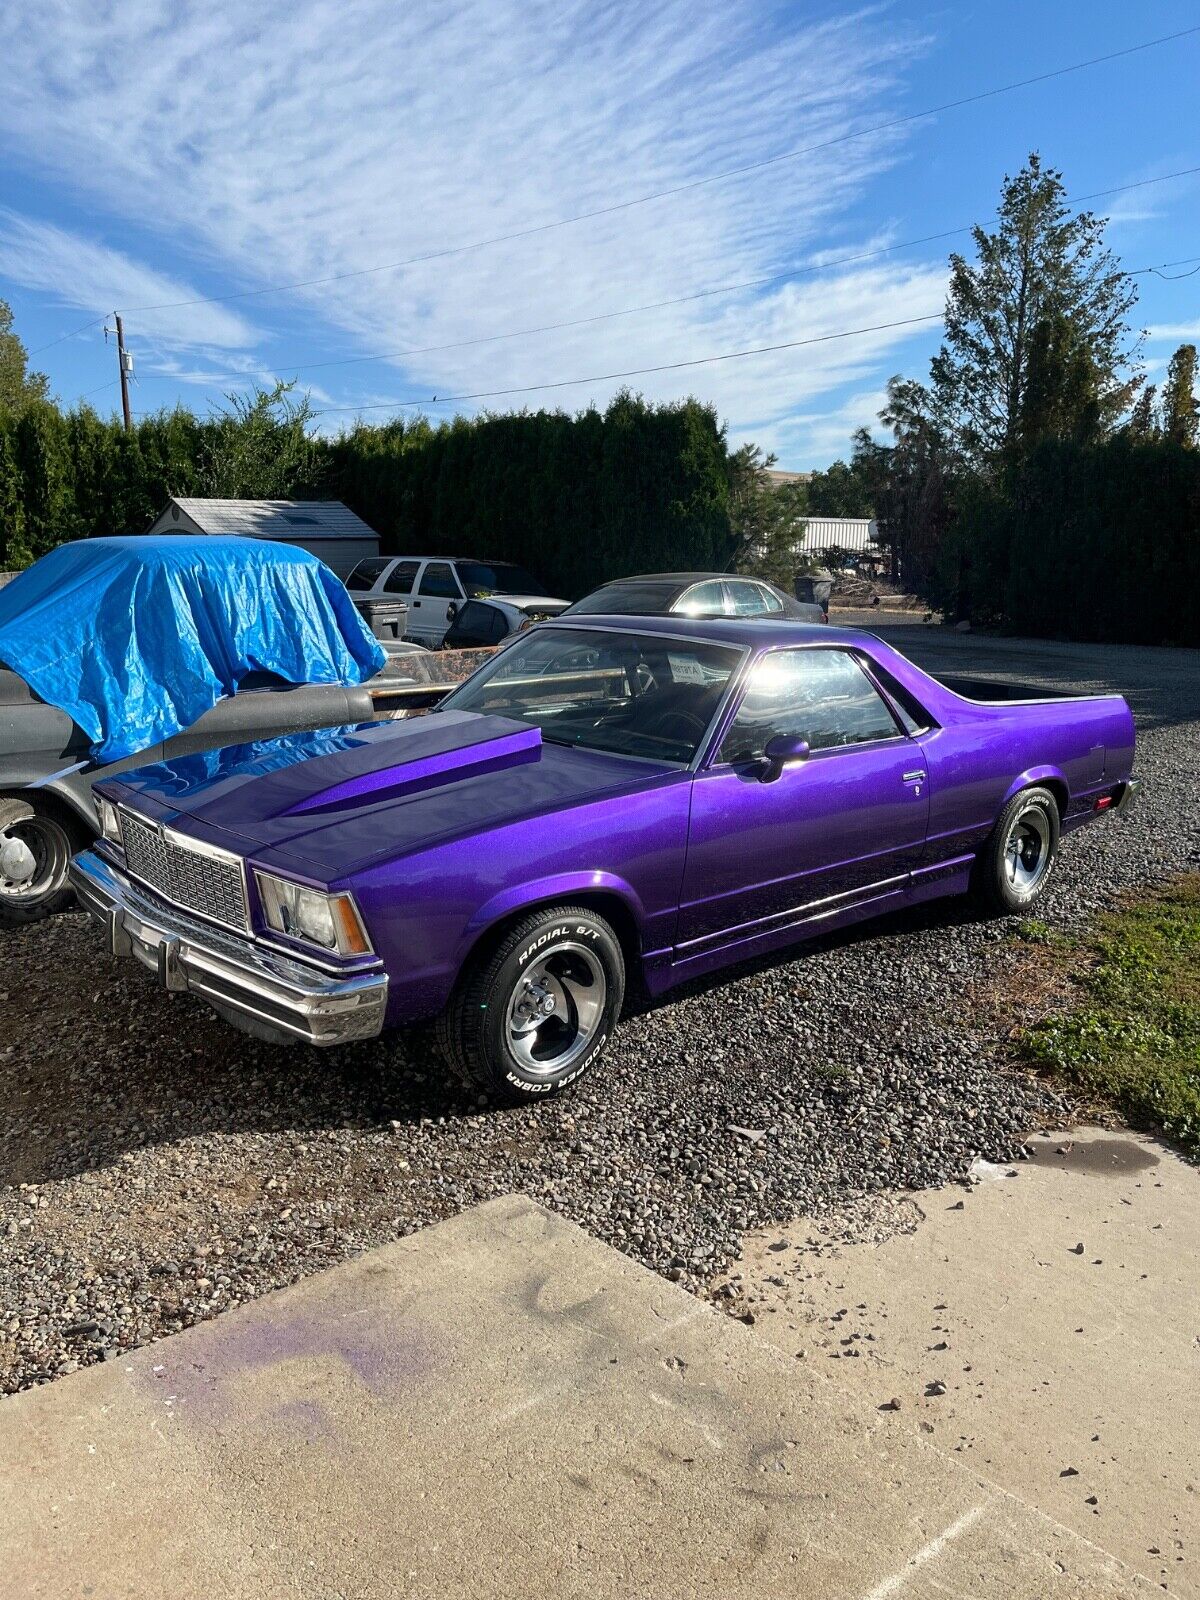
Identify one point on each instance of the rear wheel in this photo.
(35, 851)
(532, 1015)
(1019, 855)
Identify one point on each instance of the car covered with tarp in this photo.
(118, 651)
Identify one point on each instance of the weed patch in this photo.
(1135, 1038)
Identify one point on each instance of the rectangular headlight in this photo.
(110, 823)
(329, 921)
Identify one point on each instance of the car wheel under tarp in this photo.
(35, 851)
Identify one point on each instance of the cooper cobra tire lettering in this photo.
(474, 1029)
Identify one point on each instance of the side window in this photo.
(366, 573)
(823, 696)
(701, 600)
(437, 581)
(400, 578)
(909, 709)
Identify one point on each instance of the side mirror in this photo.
(784, 750)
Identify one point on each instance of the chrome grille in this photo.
(193, 876)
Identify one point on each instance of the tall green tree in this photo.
(18, 386)
(910, 482)
(1142, 424)
(1062, 398)
(841, 490)
(260, 447)
(767, 518)
(1180, 413)
(1040, 265)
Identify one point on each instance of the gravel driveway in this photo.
(158, 1167)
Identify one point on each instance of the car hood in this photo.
(336, 800)
(529, 602)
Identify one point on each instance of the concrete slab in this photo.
(1058, 1301)
(499, 1406)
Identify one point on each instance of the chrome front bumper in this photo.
(261, 991)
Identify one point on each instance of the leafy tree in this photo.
(1041, 265)
(14, 552)
(43, 461)
(260, 448)
(842, 490)
(1180, 413)
(18, 386)
(767, 519)
(1061, 399)
(1142, 425)
(910, 483)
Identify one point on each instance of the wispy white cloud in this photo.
(309, 139)
(1180, 332)
(85, 274)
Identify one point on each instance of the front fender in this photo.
(534, 892)
(71, 789)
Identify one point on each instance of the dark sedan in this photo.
(694, 594)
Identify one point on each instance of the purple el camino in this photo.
(603, 801)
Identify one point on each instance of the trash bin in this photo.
(815, 588)
(386, 618)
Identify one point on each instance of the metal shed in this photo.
(857, 535)
(326, 528)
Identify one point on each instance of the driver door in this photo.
(843, 826)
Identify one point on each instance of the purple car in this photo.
(601, 802)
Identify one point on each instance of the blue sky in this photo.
(157, 151)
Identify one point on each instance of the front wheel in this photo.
(1016, 861)
(532, 1016)
(35, 852)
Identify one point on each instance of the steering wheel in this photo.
(681, 725)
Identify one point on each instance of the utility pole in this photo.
(126, 364)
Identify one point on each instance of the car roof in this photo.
(743, 631)
(479, 561)
(677, 577)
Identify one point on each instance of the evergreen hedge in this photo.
(578, 499)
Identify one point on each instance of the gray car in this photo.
(694, 594)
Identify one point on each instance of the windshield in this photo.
(481, 578)
(630, 693)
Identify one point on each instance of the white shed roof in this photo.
(271, 519)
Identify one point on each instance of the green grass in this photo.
(1135, 1040)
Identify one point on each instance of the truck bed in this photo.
(989, 690)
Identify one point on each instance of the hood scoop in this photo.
(497, 744)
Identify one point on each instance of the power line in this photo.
(75, 332)
(667, 366)
(682, 188)
(638, 372)
(111, 384)
(678, 300)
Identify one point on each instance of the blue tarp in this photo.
(137, 638)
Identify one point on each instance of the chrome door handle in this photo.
(915, 777)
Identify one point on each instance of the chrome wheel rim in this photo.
(1027, 850)
(556, 1008)
(34, 856)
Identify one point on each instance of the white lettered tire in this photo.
(535, 1012)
